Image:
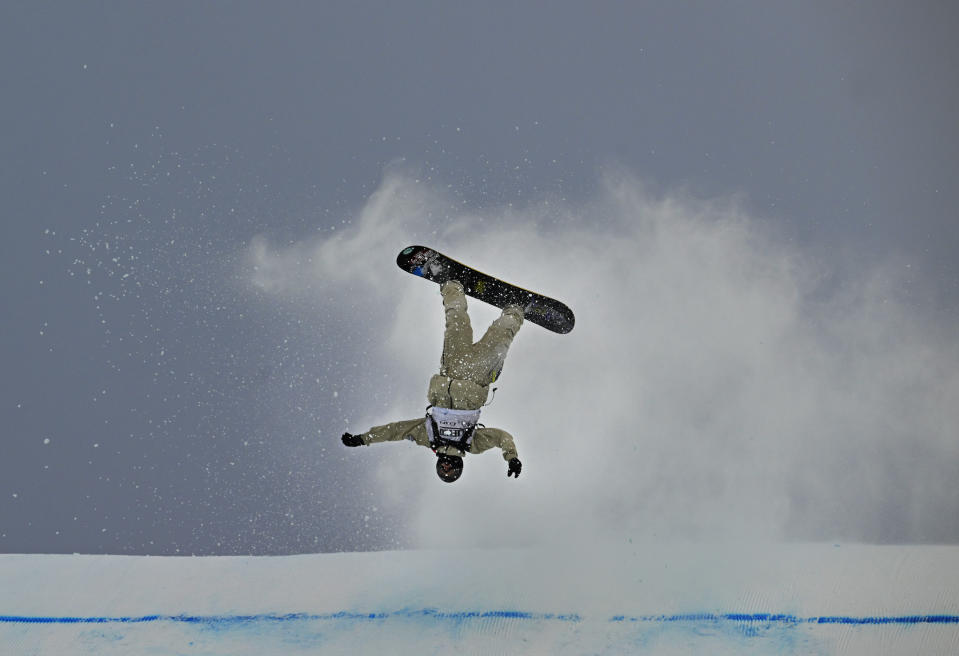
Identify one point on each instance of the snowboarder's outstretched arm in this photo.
(487, 438)
(410, 429)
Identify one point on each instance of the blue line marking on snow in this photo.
(769, 618)
(737, 618)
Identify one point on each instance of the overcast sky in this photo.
(749, 206)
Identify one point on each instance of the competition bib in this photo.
(448, 427)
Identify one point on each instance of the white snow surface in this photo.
(676, 598)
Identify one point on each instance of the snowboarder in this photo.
(456, 394)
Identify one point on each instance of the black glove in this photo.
(515, 467)
(352, 440)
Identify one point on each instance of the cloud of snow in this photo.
(719, 381)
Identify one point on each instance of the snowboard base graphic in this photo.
(434, 266)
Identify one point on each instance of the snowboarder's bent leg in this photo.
(490, 352)
(459, 332)
(502, 331)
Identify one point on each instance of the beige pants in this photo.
(482, 362)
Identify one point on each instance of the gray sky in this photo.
(757, 202)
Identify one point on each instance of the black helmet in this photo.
(448, 468)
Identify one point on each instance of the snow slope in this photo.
(610, 599)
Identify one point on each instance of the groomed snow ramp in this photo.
(621, 599)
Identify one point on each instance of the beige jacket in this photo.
(414, 430)
(466, 372)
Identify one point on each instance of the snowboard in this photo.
(436, 267)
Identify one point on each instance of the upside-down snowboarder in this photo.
(458, 392)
